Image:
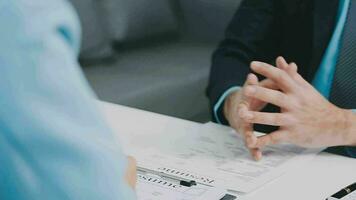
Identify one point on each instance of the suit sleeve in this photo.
(251, 35)
(54, 144)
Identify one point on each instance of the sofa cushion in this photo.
(131, 20)
(169, 78)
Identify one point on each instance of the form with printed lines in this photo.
(155, 188)
(217, 157)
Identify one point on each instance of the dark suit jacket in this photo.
(299, 30)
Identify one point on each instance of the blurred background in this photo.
(153, 54)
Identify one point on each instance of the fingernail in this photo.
(255, 64)
(249, 78)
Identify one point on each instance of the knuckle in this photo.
(254, 116)
(261, 91)
(281, 98)
(243, 104)
(297, 104)
(295, 76)
(280, 75)
(239, 108)
(290, 120)
(284, 73)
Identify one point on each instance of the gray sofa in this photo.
(153, 54)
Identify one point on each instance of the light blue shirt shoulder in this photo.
(54, 143)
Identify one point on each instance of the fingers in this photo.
(131, 172)
(251, 141)
(245, 128)
(280, 77)
(274, 138)
(291, 69)
(236, 101)
(256, 153)
(272, 119)
(296, 76)
(256, 104)
(252, 79)
(268, 95)
(282, 64)
(267, 83)
(249, 137)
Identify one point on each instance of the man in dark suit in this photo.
(313, 96)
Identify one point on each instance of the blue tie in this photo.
(343, 91)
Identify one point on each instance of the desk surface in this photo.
(325, 175)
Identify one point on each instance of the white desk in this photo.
(325, 175)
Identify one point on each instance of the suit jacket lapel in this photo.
(325, 14)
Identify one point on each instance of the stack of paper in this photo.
(155, 188)
(216, 156)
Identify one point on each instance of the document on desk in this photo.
(216, 156)
(153, 188)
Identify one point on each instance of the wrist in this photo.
(226, 107)
(229, 102)
(353, 128)
(350, 128)
(219, 107)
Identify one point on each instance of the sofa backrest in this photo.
(207, 19)
(130, 21)
(96, 42)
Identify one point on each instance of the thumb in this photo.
(131, 173)
(251, 79)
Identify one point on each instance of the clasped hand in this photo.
(306, 119)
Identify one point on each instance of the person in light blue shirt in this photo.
(318, 35)
(54, 143)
